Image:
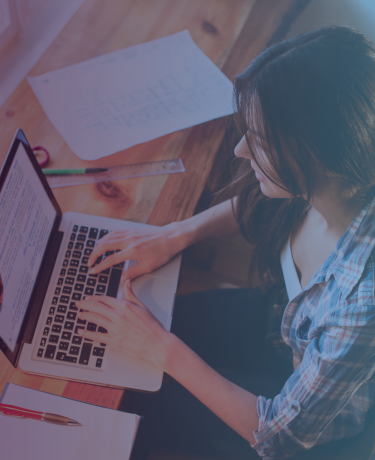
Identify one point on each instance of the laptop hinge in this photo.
(44, 277)
(42, 288)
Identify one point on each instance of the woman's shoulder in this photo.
(357, 307)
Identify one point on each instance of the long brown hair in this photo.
(310, 103)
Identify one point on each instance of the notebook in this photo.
(44, 273)
(104, 434)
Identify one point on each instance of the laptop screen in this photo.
(26, 219)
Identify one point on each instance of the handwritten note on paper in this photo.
(127, 97)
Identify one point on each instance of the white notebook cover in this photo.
(105, 434)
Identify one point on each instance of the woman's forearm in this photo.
(214, 222)
(232, 404)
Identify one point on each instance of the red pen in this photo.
(14, 411)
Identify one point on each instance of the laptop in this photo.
(44, 273)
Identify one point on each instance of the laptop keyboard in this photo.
(59, 340)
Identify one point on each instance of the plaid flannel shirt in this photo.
(330, 327)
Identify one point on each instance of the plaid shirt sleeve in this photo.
(336, 362)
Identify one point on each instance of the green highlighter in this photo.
(68, 172)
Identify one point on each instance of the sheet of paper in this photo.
(127, 97)
(105, 434)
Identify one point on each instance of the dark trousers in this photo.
(227, 329)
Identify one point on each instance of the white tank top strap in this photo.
(292, 283)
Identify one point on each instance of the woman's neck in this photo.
(336, 210)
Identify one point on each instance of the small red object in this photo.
(39, 148)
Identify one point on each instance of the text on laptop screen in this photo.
(26, 219)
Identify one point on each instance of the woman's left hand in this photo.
(131, 327)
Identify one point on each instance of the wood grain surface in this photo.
(231, 33)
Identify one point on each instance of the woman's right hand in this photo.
(151, 246)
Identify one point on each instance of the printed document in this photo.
(134, 95)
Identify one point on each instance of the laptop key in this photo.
(79, 246)
(70, 245)
(64, 357)
(114, 282)
(69, 325)
(57, 291)
(61, 309)
(81, 237)
(66, 335)
(100, 288)
(72, 271)
(68, 254)
(102, 330)
(81, 278)
(60, 281)
(56, 328)
(102, 233)
(69, 280)
(81, 321)
(91, 327)
(74, 263)
(91, 282)
(106, 271)
(72, 236)
(76, 296)
(46, 331)
(50, 351)
(77, 254)
(53, 338)
(77, 340)
(99, 363)
(87, 252)
(64, 299)
(79, 287)
(75, 228)
(65, 263)
(52, 311)
(73, 306)
(74, 350)
(83, 229)
(89, 291)
(55, 300)
(43, 342)
(85, 260)
(70, 359)
(59, 318)
(49, 321)
(71, 315)
(83, 269)
(103, 279)
(98, 351)
(67, 290)
(63, 346)
(93, 233)
(85, 353)
(40, 353)
(78, 328)
(90, 244)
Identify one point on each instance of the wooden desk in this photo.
(230, 32)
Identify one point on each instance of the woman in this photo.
(306, 110)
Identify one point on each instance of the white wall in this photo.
(359, 14)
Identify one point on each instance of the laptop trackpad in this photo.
(156, 294)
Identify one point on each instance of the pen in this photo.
(68, 172)
(14, 411)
